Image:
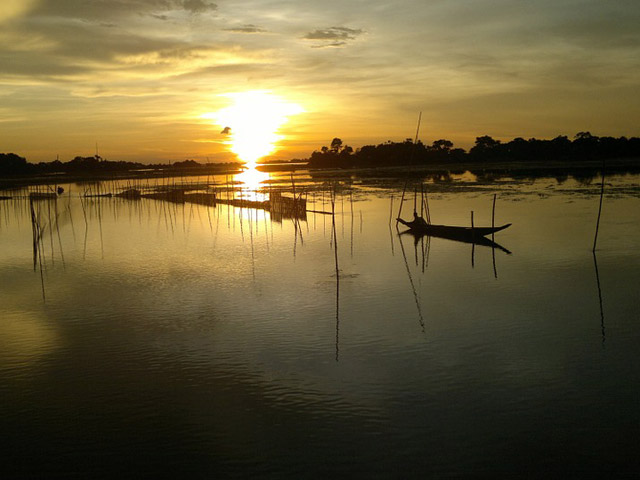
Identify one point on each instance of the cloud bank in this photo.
(362, 69)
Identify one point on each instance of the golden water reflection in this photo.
(252, 184)
(26, 339)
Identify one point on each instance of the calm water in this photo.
(160, 338)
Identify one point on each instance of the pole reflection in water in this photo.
(46, 220)
(602, 329)
(413, 287)
(423, 246)
(335, 250)
(37, 246)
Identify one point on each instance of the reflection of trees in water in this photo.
(392, 177)
(561, 178)
(441, 177)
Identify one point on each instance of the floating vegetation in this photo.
(131, 194)
(43, 196)
(98, 195)
(208, 199)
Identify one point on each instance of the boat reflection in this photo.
(478, 240)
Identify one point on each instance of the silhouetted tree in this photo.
(346, 151)
(442, 145)
(189, 163)
(336, 145)
(585, 146)
(583, 136)
(485, 148)
(339, 155)
(12, 164)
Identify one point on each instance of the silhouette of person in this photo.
(418, 221)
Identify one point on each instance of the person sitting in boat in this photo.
(418, 221)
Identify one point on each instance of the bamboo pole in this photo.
(335, 252)
(401, 202)
(493, 216)
(407, 180)
(425, 200)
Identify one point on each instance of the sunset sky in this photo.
(147, 80)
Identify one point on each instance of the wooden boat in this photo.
(419, 226)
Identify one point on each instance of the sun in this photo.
(252, 123)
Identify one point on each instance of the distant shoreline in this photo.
(19, 181)
(542, 168)
(560, 155)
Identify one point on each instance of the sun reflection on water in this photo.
(252, 182)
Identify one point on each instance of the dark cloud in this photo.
(334, 34)
(82, 49)
(330, 45)
(101, 9)
(36, 65)
(239, 69)
(198, 6)
(249, 28)
(88, 44)
(110, 9)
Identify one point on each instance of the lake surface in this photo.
(150, 337)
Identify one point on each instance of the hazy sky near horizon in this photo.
(141, 77)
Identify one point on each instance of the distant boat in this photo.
(421, 227)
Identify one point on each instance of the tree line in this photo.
(584, 146)
(13, 164)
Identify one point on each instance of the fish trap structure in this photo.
(279, 206)
(282, 207)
